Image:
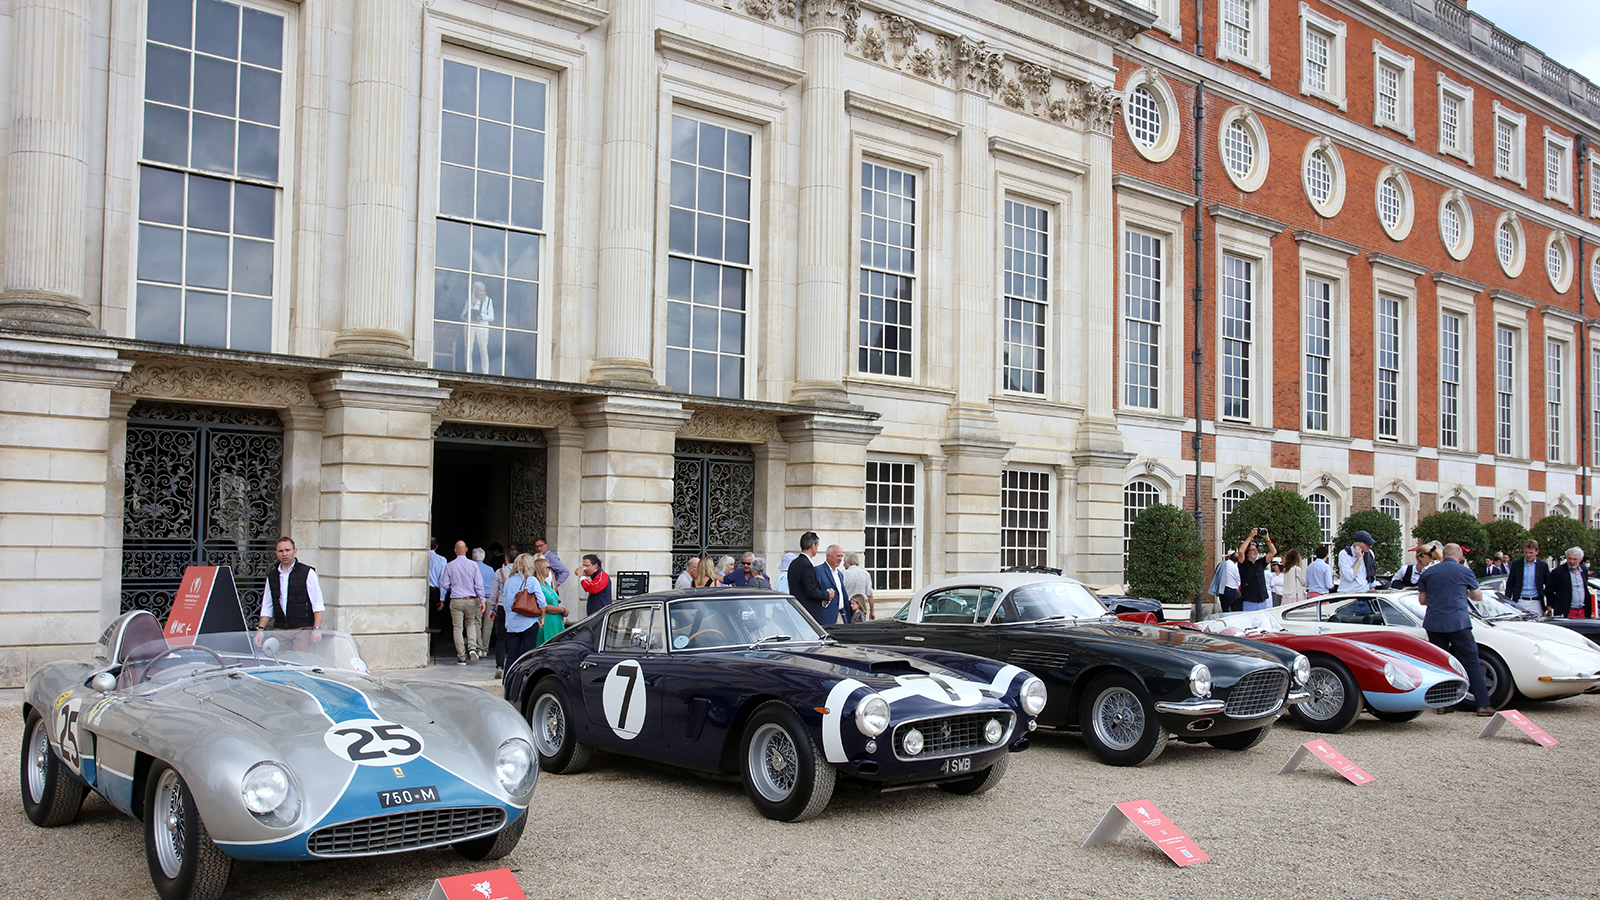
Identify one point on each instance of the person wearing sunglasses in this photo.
(742, 572)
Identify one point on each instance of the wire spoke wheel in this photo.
(1118, 718)
(774, 762)
(549, 724)
(38, 758)
(171, 825)
(1327, 694)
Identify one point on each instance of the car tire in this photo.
(1406, 716)
(554, 737)
(50, 795)
(496, 845)
(185, 864)
(982, 782)
(1240, 741)
(1119, 721)
(1336, 699)
(784, 775)
(1497, 680)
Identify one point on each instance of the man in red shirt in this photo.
(596, 583)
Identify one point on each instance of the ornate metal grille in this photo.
(204, 488)
(713, 500)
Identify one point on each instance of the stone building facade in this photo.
(1378, 293)
(645, 276)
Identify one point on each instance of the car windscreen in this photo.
(1052, 600)
(738, 621)
(311, 648)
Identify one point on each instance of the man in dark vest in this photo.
(293, 598)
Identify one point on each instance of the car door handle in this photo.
(913, 637)
(587, 665)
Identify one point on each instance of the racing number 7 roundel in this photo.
(623, 699)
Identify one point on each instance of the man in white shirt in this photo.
(686, 577)
(292, 597)
(858, 582)
(1356, 569)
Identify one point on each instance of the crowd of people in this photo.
(834, 581)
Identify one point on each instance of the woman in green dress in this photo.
(554, 618)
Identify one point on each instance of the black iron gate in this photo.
(204, 488)
(713, 500)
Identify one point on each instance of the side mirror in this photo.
(104, 682)
(271, 646)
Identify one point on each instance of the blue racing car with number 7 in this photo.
(744, 683)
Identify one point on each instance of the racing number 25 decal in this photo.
(623, 699)
(373, 742)
(67, 733)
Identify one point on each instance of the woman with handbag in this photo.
(554, 621)
(522, 600)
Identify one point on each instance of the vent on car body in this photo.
(1037, 660)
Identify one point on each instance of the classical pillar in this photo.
(824, 250)
(564, 500)
(116, 489)
(376, 493)
(625, 288)
(626, 509)
(934, 552)
(825, 488)
(375, 303)
(46, 202)
(302, 476)
(772, 465)
(55, 441)
(1099, 450)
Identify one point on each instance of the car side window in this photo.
(986, 600)
(1357, 612)
(1395, 616)
(952, 606)
(633, 630)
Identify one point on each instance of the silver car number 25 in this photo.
(373, 742)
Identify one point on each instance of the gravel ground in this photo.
(1448, 816)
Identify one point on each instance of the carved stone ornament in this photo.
(1011, 94)
(1096, 106)
(924, 61)
(215, 384)
(760, 9)
(840, 15)
(729, 425)
(1035, 79)
(872, 45)
(477, 405)
(901, 32)
(974, 65)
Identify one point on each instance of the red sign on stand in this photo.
(1335, 760)
(206, 602)
(1539, 735)
(1170, 838)
(498, 884)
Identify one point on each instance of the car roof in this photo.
(1005, 581)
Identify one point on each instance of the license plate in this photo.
(408, 796)
(956, 766)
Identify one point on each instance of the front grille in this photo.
(1446, 693)
(405, 831)
(1037, 660)
(1258, 693)
(951, 735)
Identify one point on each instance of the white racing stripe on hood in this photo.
(938, 688)
(832, 720)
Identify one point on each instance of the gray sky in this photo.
(1563, 29)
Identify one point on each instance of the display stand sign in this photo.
(1335, 760)
(1171, 839)
(498, 884)
(207, 602)
(632, 584)
(1539, 735)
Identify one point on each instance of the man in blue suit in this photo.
(804, 584)
(831, 576)
(1525, 583)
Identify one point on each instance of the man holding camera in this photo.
(1253, 592)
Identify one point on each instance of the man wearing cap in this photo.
(1525, 583)
(1357, 570)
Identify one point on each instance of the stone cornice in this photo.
(1551, 311)
(730, 425)
(1396, 263)
(1247, 219)
(173, 380)
(533, 410)
(1323, 242)
(1002, 146)
(1511, 299)
(1151, 189)
(566, 11)
(713, 56)
(1102, 18)
(1456, 281)
(895, 114)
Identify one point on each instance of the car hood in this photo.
(1195, 644)
(304, 702)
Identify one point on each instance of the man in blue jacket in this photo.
(806, 587)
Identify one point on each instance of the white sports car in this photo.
(1536, 660)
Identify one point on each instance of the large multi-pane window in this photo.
(1594, 405)
(1505, 386)
(1319, 352)
(1144, 112)
(1391, 508)
(1450, 381)
(208, 176)
(1027, 296)
(1388, 94)
(491, 223)
(708, 258)
(1137, 497)
(1508, 513)
(1388, 368)
(1555, 169)
(1231, 498)
(1555, 364)
(1508, 145)
(1450, 121)
(1141, 322)
(891, 523)
(888, 269)
(1238, 27)
(1318, 52)
(1238, 291)
(1322, 505)
(1024, 518)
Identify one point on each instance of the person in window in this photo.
(1357, 570)
(479, 315)
(1525, 583)
(1253, 592)
(1567, 593)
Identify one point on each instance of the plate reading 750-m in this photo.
(408, 796)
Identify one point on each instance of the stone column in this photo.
(625, 296)
(376, 493)
(375, 301)
(772, 465)
(55, 434)
(1099, 451)
(116, 489)
(933, 555)
(564, 501)
(302, 477)
(46, 196)
(824, 251)
(626, 510)
(825, 484)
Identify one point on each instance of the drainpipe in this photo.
(1198, 356)
(1580, 275)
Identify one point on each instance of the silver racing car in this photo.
(275, 749)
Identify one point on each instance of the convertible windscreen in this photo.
(701, 623)
(153, 658)
(1050, 600)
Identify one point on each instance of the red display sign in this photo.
(189, 606)
(1335, 760)
(1539, 735)
(499, 884)
(1170, 838)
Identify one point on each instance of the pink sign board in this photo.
(1322, 750)
(1539, 735)
(497, 884)
(1157, 827)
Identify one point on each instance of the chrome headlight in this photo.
(1033, 696)
(1397, 678)
(1200, 681)
(911, 742)
(513, 766)
(1302, 670)
(269, 794)
(993, 731)
(872, 715)
(1457, 666)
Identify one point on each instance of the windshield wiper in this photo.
(771, 638)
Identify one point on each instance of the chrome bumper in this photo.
(1297, 697)
(1192, 707)
(1572, 679)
